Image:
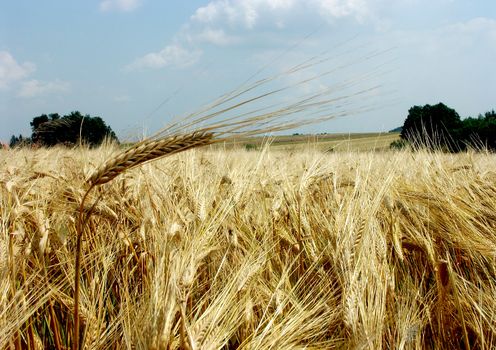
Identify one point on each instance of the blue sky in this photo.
(122, 59)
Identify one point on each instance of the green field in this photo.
(323, 142)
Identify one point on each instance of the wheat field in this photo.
(230, 249)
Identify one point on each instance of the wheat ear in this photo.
(148, 151)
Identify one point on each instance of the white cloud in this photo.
(211, 12)
(244, 12)
(226, 22)
(11, 71)
(216, 37)
(35, 88)
(119, 5)
(171, 55)
(249, 13)
(358, 9)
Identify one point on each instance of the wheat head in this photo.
(148, 151)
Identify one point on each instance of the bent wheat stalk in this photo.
(147, 152)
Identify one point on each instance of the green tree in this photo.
(479, 132)
(19, 141)
(439, 126)
(70, 129)
(490, 115)
(14, 140)
(432, 126)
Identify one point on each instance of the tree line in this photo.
(72, 129)
(429, 126)
(440, 127)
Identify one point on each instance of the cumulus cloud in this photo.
(240, 12)
(35, 88)
(171, 55)
(227, 22)
(11, 71)
(119, 5)
(249, 12)
(358, 9)
(15, 75)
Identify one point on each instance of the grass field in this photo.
(323, 142)
(277, 249)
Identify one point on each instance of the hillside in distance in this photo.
(321, 142)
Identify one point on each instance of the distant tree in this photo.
(440, 126)
(14, 140)
(491, 115)
(479, 132)
(398, 144)
(19, 141)
(251, 147)
(70, 129)
(432, 126)
(398, 129)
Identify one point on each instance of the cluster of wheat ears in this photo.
(223, 248)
